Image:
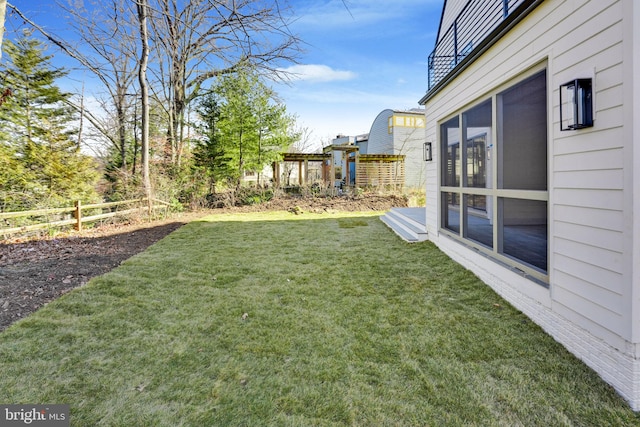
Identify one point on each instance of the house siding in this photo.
(632, 160)
(591, 161)
(380, 140)
(400, 140)
(592, 303)
(408, 142)
(451, 11)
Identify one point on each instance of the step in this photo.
(405, 227)
(408, 215)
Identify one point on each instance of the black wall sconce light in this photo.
(427, 155)
(576, 105)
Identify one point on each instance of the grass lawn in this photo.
(345, 325)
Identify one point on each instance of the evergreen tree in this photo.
(254, 128)
(210, 154)
(275, 132)
(13, 179)
(37, 132)
(238, 125)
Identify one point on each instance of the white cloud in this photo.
(331, 111)
(339, 14)
(364, 98)
(317, 73)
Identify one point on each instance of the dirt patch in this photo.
(34, 272)
(295, 204)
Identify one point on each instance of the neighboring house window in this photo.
(494, 175)
(407, 121)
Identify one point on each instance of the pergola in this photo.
(372, 170)
(303, 160)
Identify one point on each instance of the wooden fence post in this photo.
(78, 215)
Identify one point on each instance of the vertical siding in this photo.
(590, 273)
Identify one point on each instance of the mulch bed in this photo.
(34, 272)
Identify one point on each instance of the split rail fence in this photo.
(59, 217)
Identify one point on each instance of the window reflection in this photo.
(523, 135)
(524, 231)
(450, 145)
(478, 225)
(451, 211)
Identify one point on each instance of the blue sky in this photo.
(360, 61)
(357, 61)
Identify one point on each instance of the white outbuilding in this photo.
(401, 132)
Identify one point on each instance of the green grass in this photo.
(347, 325)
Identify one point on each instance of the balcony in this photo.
(475, 22)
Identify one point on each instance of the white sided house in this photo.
(533, 116)
(401, 132)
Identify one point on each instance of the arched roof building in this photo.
(400, 132)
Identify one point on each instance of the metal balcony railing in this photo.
(476, 20)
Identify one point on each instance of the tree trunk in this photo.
(135, 141)
(240, 165)
(81, 124)
(142, 6)
(3, 10)
(122, 131)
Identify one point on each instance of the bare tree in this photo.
(3, 10)
(304, 142)
(190, 43)
(6, 92)
(202, 39)
(143, 10)
(108, 37)
(109, 54)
